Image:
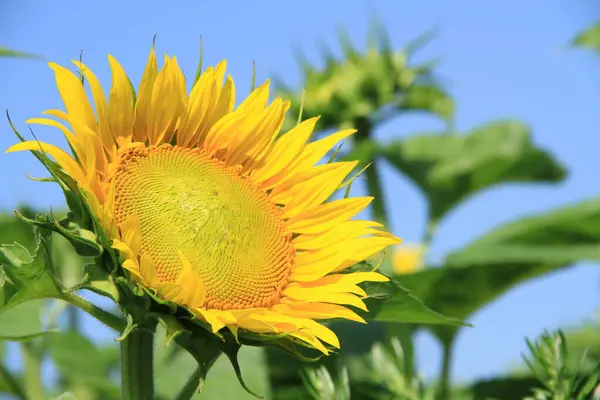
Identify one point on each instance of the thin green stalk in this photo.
(32, 366)
(137, 363)
(13, 385)
(374, 188)
(101, 315)
(444, 385)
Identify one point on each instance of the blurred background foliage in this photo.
(363, 90)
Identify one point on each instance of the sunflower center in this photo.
(222, 222)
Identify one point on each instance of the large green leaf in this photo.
(589, 38)
(492, 265)
(404, 307)
(451, 167)
(23, 277)
(79, 360)
(22, 322)
(14, 230)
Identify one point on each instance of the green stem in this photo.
(444, 386)
(101, 315)
(13, 385)
(374, 187)
(192, 386)
(32, 366)
(137, 363)
(72, 318)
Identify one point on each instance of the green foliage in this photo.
(449, 168)
(589, 38)
(362, 85)
(6, 52)
(402, 306)
(22, 322)
(174, 366)
(509, 255)
(321, 386)
(508, 388)
(549, 363)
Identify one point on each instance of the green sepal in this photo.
(83, 241)
(96, 279)
(130, 327)
(173, 328)
(231, 350)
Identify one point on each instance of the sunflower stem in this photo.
(137, 363)
(443, 392)
(364, 132)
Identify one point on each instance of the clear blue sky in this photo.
(501, 59)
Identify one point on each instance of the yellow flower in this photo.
(406, 258)
(209, 207)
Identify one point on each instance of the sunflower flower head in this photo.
(208, 207)
(407, 258)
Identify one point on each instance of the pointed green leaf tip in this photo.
(6, 52)
(589, 38)
(231, 350)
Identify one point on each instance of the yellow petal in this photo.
(317, 311)
(257, 100)
(148, 270)
(68, 164)
(365, 248)
(73, 95)
(308, 194)
(167, 103)
(252, 139)
(131, 233)
(120, 113)
(285, 149)
(326, 216)
(144, 96)
(340, 233)
(198, 109)
(193, 293)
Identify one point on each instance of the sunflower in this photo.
(209, 207)
(407, 258)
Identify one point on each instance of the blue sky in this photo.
(500, 59)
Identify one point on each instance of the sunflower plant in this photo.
(200, 216)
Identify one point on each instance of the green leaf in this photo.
(427, 98)
(78, 360)
(6, 52)
(222, 382)
(174, 367)
(22, 322)
(489, 267)
(403, 307)
(14, 230)
(26, 277)
(589, 38)
(449, 167)
(509, 388)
